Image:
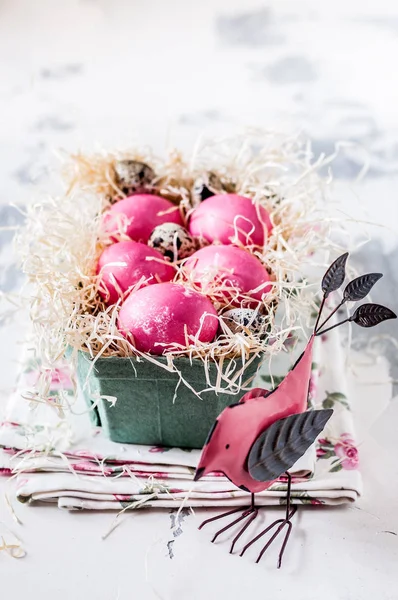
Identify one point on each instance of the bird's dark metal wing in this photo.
(278, 447)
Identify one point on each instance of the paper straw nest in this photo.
(62, 241)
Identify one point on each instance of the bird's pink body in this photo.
(237, 428)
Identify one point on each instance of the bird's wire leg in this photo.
(262, 533)
(285, 541)
(226, 514)
(254, 513)
(243, 516)
(288, 497)
(290, 511)
(250, 510)
(283, 523)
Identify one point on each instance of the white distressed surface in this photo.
(77, 73)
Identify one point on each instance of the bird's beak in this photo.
(199, 473)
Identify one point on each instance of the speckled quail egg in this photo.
(237, 319)
(172, 241)
(205, 186)
(133, 176)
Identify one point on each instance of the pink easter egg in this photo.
(162, 313)
(225, 217)
(228, 267)
(140, 214)
(125, 263)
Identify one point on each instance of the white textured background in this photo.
(74, 74)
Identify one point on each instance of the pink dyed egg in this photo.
(140, 213)
(222, 217)
(159, 314)
(127, 263)
(228, 267)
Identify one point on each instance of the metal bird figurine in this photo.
(258, 439)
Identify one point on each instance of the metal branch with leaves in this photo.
(366, 315)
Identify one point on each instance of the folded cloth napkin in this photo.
(69, 462)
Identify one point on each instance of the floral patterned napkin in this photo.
(68, 462)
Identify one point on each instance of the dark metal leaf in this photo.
(335, 275)
(369, 315)
(278, 447)
(360, 287)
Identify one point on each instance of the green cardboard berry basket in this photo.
(151, 408)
